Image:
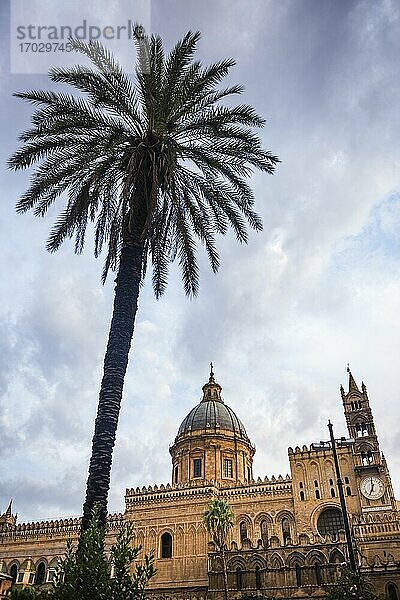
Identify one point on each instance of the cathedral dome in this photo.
(212, 414)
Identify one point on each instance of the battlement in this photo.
(159, 493)
(343, 445)
(68, 527)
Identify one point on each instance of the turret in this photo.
(7, 519)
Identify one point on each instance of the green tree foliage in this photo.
(352, 586)
(25, 593)
(86, 574)
(218, 519)
(155, 165)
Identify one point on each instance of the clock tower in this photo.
(373, 478)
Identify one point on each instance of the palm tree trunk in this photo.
(225, 573)
(115, 364)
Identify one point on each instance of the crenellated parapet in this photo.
(154, 493)
(343, 445)
(65, 528)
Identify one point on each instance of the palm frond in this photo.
(163, 151)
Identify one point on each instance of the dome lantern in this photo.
(212, 389)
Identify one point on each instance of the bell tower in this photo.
(374, 484)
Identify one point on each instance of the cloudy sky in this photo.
(317, 288)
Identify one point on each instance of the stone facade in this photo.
(288, 538)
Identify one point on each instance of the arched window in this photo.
(166, 545)
(258, 578)
(361, 429)
(366, 457)
(40, 573)
(330, 522)
(53, 568)
(333, 494)
(14, 572)
(317, 494)
(176, 474)
(243, 531)
(348, 491)
(239, 579)
(392, 591)
(317, 570)
(336, 558)
(298, 574)
(264, 532)
(286, 530)
(301, 495)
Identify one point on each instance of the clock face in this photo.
(372, 487)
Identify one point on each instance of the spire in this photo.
(212, 389)
(211, 379)
(352, 384)
(8, 512)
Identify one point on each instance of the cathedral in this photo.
(288, 540)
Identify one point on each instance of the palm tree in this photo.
(154, 164)
(218, 519)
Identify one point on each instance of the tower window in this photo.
(316, 483)
(286, 530)
(317, 494)
(228, 470)
(264, 532)
(197, 467)
(346, 480)
(243, 531)
(176, 474)
(333, 494)
(331, 482)
(330, 522)
(367, 457)
(301, 495)
(301, 485)
(361, 429)
(348, 491)
(248, 474)
(166, 545)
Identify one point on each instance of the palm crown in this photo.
(163, 153)
(218, 519)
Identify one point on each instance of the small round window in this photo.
(330, 522)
